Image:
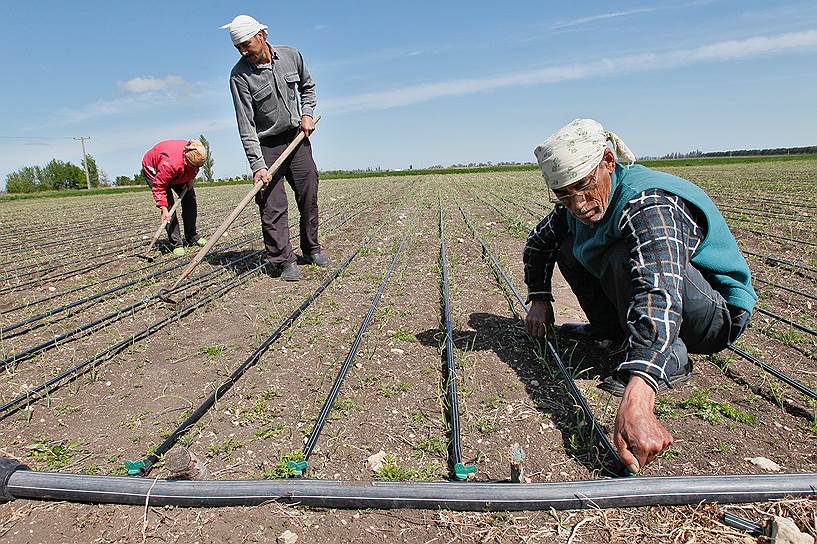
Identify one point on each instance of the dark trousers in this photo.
(708, 324)
(300, 172)
(190, 212)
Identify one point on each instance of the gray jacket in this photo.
(266, 101)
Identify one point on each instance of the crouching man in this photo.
(651, 262)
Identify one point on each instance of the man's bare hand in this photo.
(540, 317)
(639, 437)
(261, 176)
(165, 214)
(307, 124)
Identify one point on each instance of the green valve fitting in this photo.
(462, 471)
(134, 467)
(298, 466)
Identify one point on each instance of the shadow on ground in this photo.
(507, 338)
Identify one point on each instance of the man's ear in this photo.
(609, 159)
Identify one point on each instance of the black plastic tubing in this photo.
(629, 492)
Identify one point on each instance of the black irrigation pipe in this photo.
(114, 316)
(37, 281)
(145, 465)
(60, 309)
(81, 368)
(86, 365)
(128, 241)
(298, 467)
(616, 466)
(31, 270)
(120, 313)
(35, 245)
(49, 239)
(787, 321)
(763, 213)
(775, 236)
(61, 275)
(784, 288)
(531, 212)
(459, 470)
(775, 372)
(792, 266)
(16, 482)
(241, 241)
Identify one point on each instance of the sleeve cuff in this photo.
(306, 110)
(540, 295)
(649, 370)
(258, 165)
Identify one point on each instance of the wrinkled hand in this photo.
(639, 437)
(261, 176)
(307, 124)
(540, 317)
(165, 214)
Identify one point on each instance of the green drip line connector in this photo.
(135, 468)
(298, 466)
(461, 471)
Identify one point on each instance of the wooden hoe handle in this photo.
(240, 207)
(163, 223)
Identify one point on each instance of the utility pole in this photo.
(85, 159)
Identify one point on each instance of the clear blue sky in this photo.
(416, 83)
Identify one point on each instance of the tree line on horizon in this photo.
(807, 150)
(59, 175)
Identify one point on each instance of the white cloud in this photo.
(600, 17)
(151, 84)
(719, 51)
(145, 93)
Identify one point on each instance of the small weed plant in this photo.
(714, 412)
(281, 469)
(54, 454)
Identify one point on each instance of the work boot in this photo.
(178, 251)
(678, 367)
(289, 271)
(317, 258)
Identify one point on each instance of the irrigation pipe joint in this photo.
(7, 468)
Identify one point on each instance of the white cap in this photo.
(243, 27)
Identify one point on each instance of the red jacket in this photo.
(164, 165)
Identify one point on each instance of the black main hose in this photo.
(18, 483)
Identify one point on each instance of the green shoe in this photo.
(201, 242)
(179, 251)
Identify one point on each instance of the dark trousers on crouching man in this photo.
(189, 215)
(301, 173)
(708, 324)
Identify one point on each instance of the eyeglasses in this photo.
(584, 187)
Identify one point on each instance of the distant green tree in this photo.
(207, 167)
(93, 171)
(122, 180)
(62, 175)
(139, 178)
(24, 180)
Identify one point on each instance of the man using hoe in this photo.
(267, 84)
(172, 165)
(650, 260)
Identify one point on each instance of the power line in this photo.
(35, 137)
